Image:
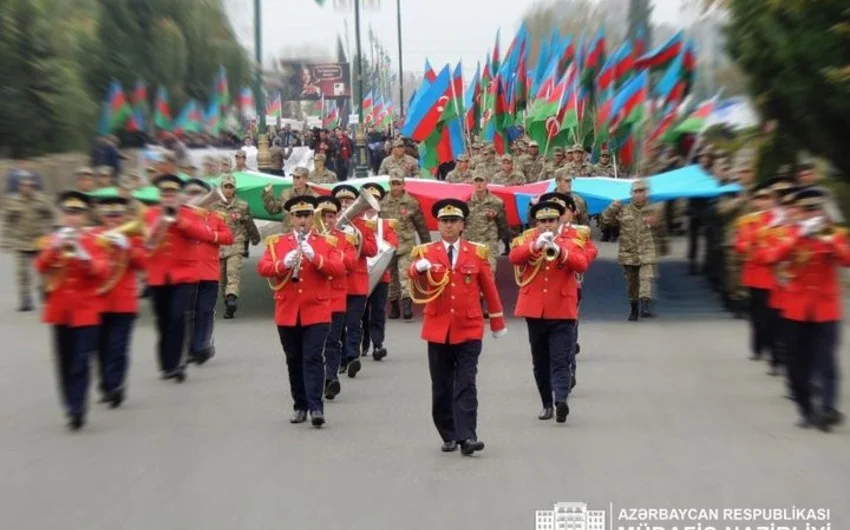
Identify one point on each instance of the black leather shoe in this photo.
(395, 312)
(546, 413)
(116, 398)
(573, 382)
(468, 447)
(833, 417)
(332, 390)
(353, 367)
(299, 416)
(26, 305)
(407, 309)
(774, 371)
(646, 308)
(562, 410)
(633, 314)
(317, 418)
(578, 348)
(343, 368)
(449, 447)
(805, 422)
(379, 353)
(76, 421)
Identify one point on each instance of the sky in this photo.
(443, 31)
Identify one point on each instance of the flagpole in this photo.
(400, 61)
(361, 169)
(457, 111)
(263, 159)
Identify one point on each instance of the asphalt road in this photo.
(667, 413)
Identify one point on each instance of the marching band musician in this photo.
(298, 265)
(202, 304)
(128, 257)
(375, 314)
(74, 266)
(174, 230)
(815, 249)
(447, 276)
(330, 208)
(546, 263)
(361, 234)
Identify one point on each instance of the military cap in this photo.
(640, 185)
(188, 165)
(779, 184)
(744, 165)
(805, 166)
(74, 201)
(320, 156)
(463, 157)
(810, 198)
(783, 171)
(705, 149)
(475, 145)
(563, 173)
(762, 190)
(789, 195)
(300, 203)
(209, 159)
(151, 169)
(345, 191)
(561, 198)
(506, 158)
(169, 156)
(328, 204)
(129, 182)
(196, 185)
(533, 144)
(577, 147)
(224, 160)
(450, 209)
(396, 175)
(604, 152)
(557, 151)
(374, 189)
(489, 149)
(112, 205)
(478, 175)
(300, 171)
(26, 178)
(228, 179)
(168, 182)
(398, 143)
(547, 210)
(84, 170)
(239, 154)
(104, 170)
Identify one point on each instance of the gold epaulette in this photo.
(748, 219)
(482, 251)
(583, 230)
(43, 242)
(522, 238)
(371, 224)
(351, 238)
(221, 214)
(271, 240)
(393, 223)
(419, 251)
(331, 239)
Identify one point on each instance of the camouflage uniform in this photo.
(551, 166)
(514, 178)
(406, 164)
(487, 223)
(456, 176)
(603, 170)
(326, 176)
(27, 220)
(410, 223)
(238, 218)
(487, 164)
(581, 215)
(532, 166)
(639, 242)
(274, 206)
(731, 208)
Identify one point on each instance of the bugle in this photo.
(205, 202)
(127, 229)
(295, 278)
(364, 202)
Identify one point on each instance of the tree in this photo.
(794, 54)
(640, 16)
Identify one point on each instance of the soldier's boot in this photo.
(738, 309)
(407, 309)
(230, 306)
(394, 310)
(245, 251)
(646, 308)
(26, 303)
(633, 315)
(507, 243)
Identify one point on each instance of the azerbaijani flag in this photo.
(222, 89)
(695, 123)
(275, 107)
(162, 114)
(116, 110)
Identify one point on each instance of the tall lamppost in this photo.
(400, 62)
(361, 168)
(263, 159)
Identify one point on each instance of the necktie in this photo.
(451, 256)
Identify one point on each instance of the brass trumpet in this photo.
(127, 229)
(551, 251)
(295, 278)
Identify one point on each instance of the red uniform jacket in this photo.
(814, 287)
(121, 293)
(358, 278)
(339, 284)
(455, 315)
(307, 300)
(550, 288)
(390, 236)
(72, 284)
(209, 265)
(175, 259)
(752, 230)
(779, 292)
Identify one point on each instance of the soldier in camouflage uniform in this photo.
(564, 184)
(28, 216)
(475, 155)
(85, 181)
(210, 167)
(487, 165)
(127, 185)
(641, 232)
(550, 166)
(531, 163)
(580, 167)
(507, 176)
(487, 223)
(461, 174)
(274, 206)
(605, 167)
(225, 165)
(400, 161)
(321, 174)
(238, 218)
(104, 178)
(399, 205)
(731, 208)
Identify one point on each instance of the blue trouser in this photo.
(113, 351)
(811, 355)
(333, 346)
(355, 304)
(170, 303)
(375, 317)
(454, 393)
(203, 319)
(303, 347)
(552, 356)
(72, 348)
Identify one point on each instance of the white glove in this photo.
(810, 226)
(57, 241)
(308, 251)
(119, 240)
(348, 229)
(778, 217)
(81, 254)
(501, 333)
(543, 239)
(66, 232)
(423, 265)
(289, 260)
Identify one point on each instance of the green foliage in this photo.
(640, 14)
(58, 58)
(795, 54)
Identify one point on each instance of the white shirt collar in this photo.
(456, 246)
